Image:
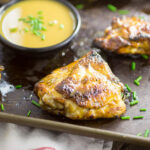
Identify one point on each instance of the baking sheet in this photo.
(27, 71)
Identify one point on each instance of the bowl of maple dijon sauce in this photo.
(38, 25)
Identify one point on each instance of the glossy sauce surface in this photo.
(51, 12)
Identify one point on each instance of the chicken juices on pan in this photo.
(85, 89)
(127, 35)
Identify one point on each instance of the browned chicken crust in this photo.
(127, 35)
(84, 89)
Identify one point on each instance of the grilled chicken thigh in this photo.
(127, 35)
(85, 89)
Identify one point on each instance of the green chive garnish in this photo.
(37, 33)
(43, 37)
(128, 88)
(61, 26)
(26, 29)
(13, 30)
(125, 117)
(146, 133)
(29, 112)
(136, 82)
(144, 56)
(112, 7)
(40, 12)
(41, 22)
(41, 17)
(134, 102)
(139, 78)
(18, 86)
(143, 109)
(134, 95)
(44, 28)
(80, 6)
(36, 25)
(139, 134)
(133, 66)
(138, 117)
(35, 103)
(31, 17)
(2, 107)
(22, 19)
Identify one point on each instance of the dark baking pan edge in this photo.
(73, 129)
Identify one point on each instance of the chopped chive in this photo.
(139, 78)
(44, 28)
(2, 107)
(134, 102)
(22, 19)
(144, 56)
(139, 134)
(13, 30)
(133, 66)
(35, 103)
(123, 12)
(37, 33)
(43, 37)
(112, 7)
(134, 95)
(128, 88)
(29, 112)
(138, 117)
(143, 109)
(26, 29)
(31, 17)
(61, 26)
(18, 86)
(31, 22)
(136, 82)
(80, 6)
(41, 17)
(39, 27)
(40, 12)
(36, 25)
(41, 22)
(125, 117)
(146, 133)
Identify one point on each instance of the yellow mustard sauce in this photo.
(37, 23)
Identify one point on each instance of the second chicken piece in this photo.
(127, 35)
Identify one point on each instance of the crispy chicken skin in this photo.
(127, 35)
(85, 89)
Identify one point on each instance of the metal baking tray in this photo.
(27, 71)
